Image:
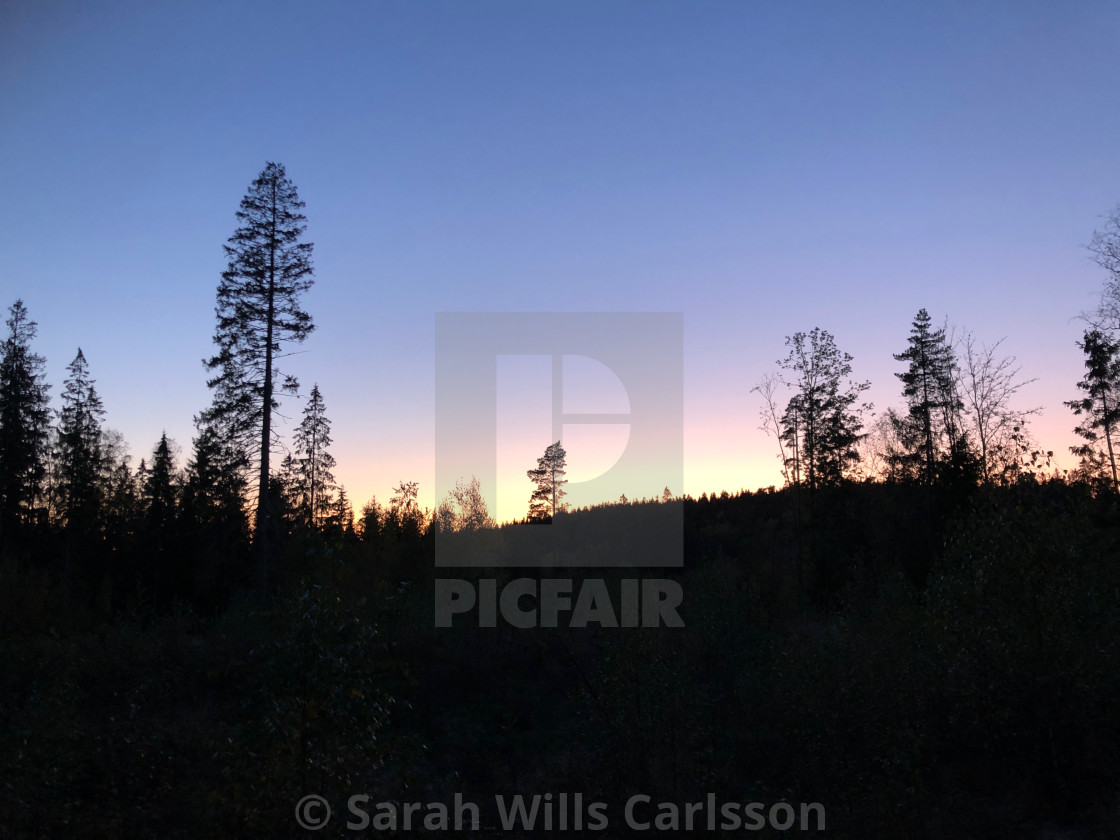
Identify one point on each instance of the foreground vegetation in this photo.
(966, 684)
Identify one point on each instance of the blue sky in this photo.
(763, 168)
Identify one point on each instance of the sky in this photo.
(761, 168)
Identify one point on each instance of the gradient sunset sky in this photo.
(762, 168)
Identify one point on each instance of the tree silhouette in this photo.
(987, 385)
(933, 423)
(1105, 247)
(464, 508)
(79, 448)
(340, 515)
(370, 521)
(822, 422)
(547, 499)
(215, 485)
(404, 522)
(403, 499)
(24, 422)
(312, 463)
(159, 489)
(119, 491)
(212, 513)
(1101, 403)
(258, 310)
(768, 388)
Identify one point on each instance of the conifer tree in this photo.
(342, 515)
(24, 422)
(258, 312)
(214, 524)
(547, 499)
(159, 488)
(215, 486)
(80, 448)
(1101, 403)
(119, 489)
(313, 463)
(933, 425)
(370, 521)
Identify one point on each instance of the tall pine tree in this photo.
(24, 423)
(79, 462)
(547, 499)
(258, 312)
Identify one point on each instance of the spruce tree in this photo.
(80, 448)
(160, 488)
(932, 426)
(342, 515)
(258, 312)
(119, 491)
(24, 423)
(1101, 403)
(213, 521)
(314, 463)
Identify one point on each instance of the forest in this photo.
(920, 629)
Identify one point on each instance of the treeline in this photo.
(81, 530)
(92, 530)
(959, 424)
(84, 524)
(920, 629)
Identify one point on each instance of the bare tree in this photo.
(771, 419)
(1105, 247)
(988, 383)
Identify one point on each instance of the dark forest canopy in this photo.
(66, 480)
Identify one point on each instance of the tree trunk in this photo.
(261, 539)
(1108, 441)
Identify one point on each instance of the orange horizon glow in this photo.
(712, 467)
